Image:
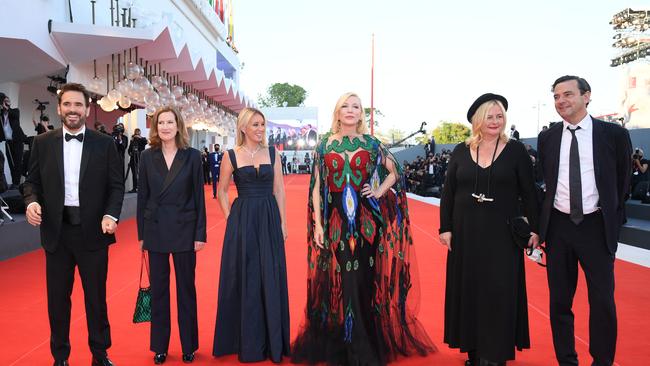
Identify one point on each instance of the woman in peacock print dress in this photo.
(362, 282)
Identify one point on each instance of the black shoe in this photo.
(188, 357)
(160, 358)
(105, 361)
(132, 191)
(484, 362)
(61, 363)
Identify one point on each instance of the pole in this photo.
(372, 89)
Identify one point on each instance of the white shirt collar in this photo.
(585, 124)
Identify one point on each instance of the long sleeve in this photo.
(115, 182)
(199, 197)
(526, 185)
(143, 193)
(449, 191)
(32, 188)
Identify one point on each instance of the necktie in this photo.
(575, 181)
(78, 137)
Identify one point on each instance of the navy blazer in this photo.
(612, 165)
(171, 203)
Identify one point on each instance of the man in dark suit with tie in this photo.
(586, 166)
(74, 191)
(214, 159)
(13, 135)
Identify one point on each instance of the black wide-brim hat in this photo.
(482, 99)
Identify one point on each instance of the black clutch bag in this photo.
(520, 231)
(142, 311)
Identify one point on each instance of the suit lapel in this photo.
(159, 162)
(177, 165)
(598, 144)
(555, 140)
(86, 151)
(58, 153)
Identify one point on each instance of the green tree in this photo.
(378, 113)
(451, 132)
(390, 136)
(280, 93)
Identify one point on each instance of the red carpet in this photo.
(24, 330)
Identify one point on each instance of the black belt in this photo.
(72, 215)
(597, 212)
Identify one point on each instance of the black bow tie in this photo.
(78, 137)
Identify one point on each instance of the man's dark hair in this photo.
(3, 96)
(583, 85)
(74, 87)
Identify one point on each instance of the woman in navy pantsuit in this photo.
(171, 220)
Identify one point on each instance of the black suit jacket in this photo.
(14, 122)
(101, 186)
(171, 203)
(612, 165)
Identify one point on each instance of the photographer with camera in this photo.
(13, 135)
(639, 173)
(42, 121)
(136, 146)
(120, 140)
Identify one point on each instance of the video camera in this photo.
(637, 154)
(41, 105)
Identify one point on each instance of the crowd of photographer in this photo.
(425, 176)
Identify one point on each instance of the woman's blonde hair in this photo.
(479, 119)
(182, 137)
(362, 127)
(243, 119)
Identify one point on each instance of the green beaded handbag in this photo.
(143, 303)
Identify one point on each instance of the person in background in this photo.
(514, 134)
(486, 307)
(205, 165)
(171, 221)
(136, 147)
(214, 159)
(13, 135)
(78, 216)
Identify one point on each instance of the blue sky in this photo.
(432, 58)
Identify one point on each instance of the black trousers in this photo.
(14, 155)
(93, 268)
(184, 267)
(215, 181)
(567, 245)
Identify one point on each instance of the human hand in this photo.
(284, 232)
(33, 214)
(368, 192)
(445, 239)
(198, 245)
(108, 225)
(318, 236)
(533, 242)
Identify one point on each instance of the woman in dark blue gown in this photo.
(253, 306)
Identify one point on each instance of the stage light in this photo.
(290, 142)
(312, 143)
(301, 143)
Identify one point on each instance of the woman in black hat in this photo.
(485, 298)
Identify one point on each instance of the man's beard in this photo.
(81, 121)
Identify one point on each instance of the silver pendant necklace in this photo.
(251, 153)
(482, 197)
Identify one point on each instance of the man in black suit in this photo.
(74, 191)
(586, 166)
(13, 135)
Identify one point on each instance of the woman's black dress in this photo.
(485, 298)
(253, 306)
